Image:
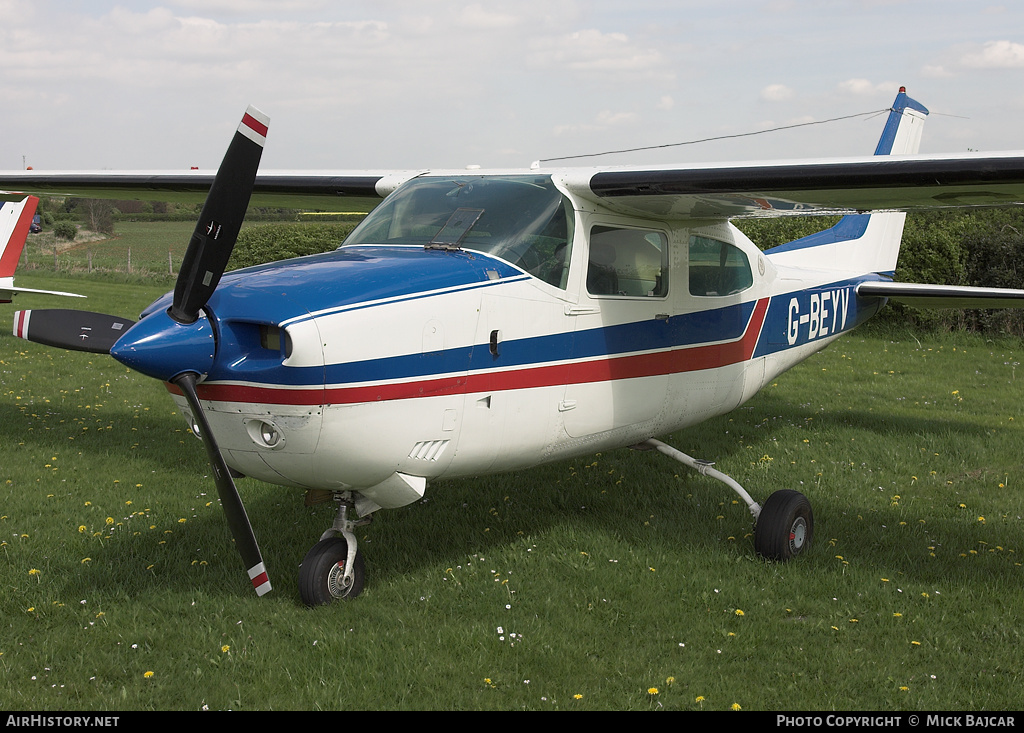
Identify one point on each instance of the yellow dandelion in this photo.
(652, 690)
(33, 571)
(225, 649)
(577, 696)
(739, 611)
(699, 698)
(110, 520)
(86, 559)
(81, 528)
(148, 674)
(735, 706)
(915, 643)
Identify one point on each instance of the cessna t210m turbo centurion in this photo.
(477, 322)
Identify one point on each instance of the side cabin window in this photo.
(627, 262)
(717, 268)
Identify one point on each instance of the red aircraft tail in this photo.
(15, 222)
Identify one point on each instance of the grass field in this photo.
(618, 581)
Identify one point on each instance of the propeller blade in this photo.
(71, 329)
(238, 520)
(217, 229)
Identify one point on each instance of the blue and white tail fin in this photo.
(863, 243)
(15, 224)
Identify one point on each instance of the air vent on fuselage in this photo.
(428, 450)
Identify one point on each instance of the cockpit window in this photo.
(524, 220)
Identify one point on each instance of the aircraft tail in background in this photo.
(15, 224)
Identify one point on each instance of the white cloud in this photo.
(866, 88)
(995, 55)
(592, 51)
(777, 93)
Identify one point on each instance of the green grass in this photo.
(582, 585)
(148, 243)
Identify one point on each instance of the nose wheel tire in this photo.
(322, 573)
(785, 526)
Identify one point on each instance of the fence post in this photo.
(129, 260)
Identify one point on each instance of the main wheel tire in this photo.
(322, 573)
(785, 526)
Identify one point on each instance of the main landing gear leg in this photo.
(783, 527)
(334, 568)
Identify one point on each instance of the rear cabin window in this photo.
(717, 268)
(627, 262)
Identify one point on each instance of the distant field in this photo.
(145, 249)
(617, 581)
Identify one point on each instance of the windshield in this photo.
(522, 219)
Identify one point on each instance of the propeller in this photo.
(217, 229)
(81, 330)
(238, 520)
(179, 345)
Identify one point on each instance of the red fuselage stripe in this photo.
(600, 370)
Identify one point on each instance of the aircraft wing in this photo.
(316, 190)
(701, 191)
(921, 295)
(836, 186)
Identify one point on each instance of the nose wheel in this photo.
(325, 575)
(333, 569)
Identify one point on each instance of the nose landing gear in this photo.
(333, 569)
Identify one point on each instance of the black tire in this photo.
(322, 570)
(785, 526)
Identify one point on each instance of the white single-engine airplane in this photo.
(15, 221)
(478, 322)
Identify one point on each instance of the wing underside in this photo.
(877, 183)
(922, 295)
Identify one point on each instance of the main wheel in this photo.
(785, 526)
(322, 573)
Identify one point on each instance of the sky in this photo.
(409, 84)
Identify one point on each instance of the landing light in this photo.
(265, 434)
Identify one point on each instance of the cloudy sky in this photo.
(91, 84)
